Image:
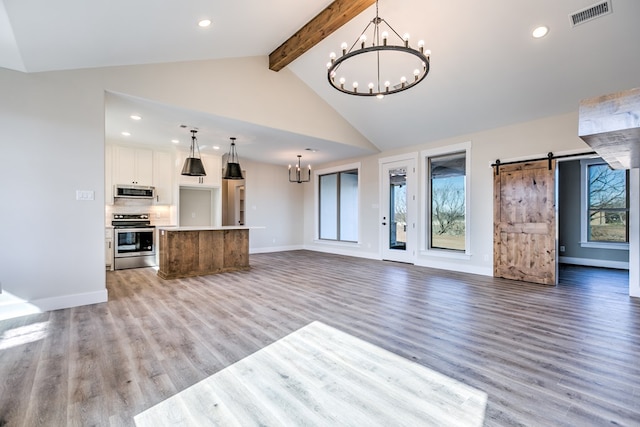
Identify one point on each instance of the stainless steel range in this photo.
(134, 238)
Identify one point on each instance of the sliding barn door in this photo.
(524, 243)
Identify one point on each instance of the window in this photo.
(605, 204)
(447, 201)
(338, 205)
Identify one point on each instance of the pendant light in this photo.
(193, 165)
(232, 169)
(297, 175)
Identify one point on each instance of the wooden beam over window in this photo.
(313, 32)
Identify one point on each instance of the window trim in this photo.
(335, 169)
(584, 237)
(425, 216)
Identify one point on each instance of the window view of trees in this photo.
(448, 201)
(608, 204)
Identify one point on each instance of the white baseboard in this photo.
(456, 266)
(274, 249)
(342, 251)
(68, 301)
(589, 262)
(11, 306)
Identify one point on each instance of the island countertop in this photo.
(196, 228)
(197, 251)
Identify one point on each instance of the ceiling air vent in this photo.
(590, 13)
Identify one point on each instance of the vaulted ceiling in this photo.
(486, 68)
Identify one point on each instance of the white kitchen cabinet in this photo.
(108, 249)
(163, 177)
(132, 166)
(212, 166)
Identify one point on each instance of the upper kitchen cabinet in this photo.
(212, 166)
(163, 177)
(132, 166)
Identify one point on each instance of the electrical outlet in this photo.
(562, 248)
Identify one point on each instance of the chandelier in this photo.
(381, 64)
(193, 165)
(232, 169)
(298, 175)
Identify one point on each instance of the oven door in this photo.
(134, 242)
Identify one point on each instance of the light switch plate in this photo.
(85, 195)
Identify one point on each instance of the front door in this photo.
(524, 243)
(398, 210)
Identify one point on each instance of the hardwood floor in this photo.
(547, 356)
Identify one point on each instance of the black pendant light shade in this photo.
(232, 169)
(193, 165)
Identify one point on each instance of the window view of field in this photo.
(608, 206)
(448, 204)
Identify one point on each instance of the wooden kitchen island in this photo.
(197, 251)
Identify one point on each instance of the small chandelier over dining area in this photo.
(297, 175)
(232, 168)
(380, 58)
(193, 165)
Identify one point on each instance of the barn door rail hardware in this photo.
(549, 157)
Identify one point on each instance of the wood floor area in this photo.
(546, 356)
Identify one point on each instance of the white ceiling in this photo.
(486, 69)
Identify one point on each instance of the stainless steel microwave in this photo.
(134, 191)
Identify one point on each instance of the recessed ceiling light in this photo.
(175, 141)
(126, 133)
(135, 117)
(215, 147)
(539, 32)
(204, 23)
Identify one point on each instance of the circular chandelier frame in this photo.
(378, 89)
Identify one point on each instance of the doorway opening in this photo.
(199, 207)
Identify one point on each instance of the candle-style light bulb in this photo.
(385, 37)
(363, 39)
(403, 80)
(386, 85)
(344, 46)
(421, 46)
(332, 56)
(416, 73)
(355, 87)
(406, 39)
(370, 87)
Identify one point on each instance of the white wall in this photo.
(52, 144)
(274, 203)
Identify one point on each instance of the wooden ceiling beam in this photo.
(313, 32)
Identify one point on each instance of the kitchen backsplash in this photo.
(159, 214)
